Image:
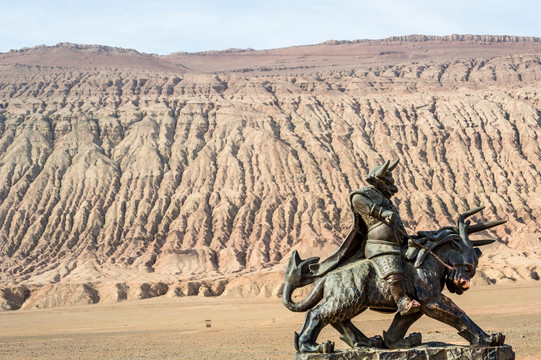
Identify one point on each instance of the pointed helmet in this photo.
(381, 172)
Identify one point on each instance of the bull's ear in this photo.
(478, 252)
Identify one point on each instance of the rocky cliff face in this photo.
(158, 173)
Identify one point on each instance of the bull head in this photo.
(466, 257)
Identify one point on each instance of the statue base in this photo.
(428, 351)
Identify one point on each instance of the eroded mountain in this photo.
(123, 168)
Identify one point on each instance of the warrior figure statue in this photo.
(377, 234)
(385, 232)
(367, 272)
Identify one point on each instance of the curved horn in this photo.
(482, 242)
(472, 211)
(484, 226)
(382, 170)
(393, 165)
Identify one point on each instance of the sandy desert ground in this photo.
(174, 328)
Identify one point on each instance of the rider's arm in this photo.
(364, 205)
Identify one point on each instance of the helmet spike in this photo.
(393, 165)
(380, 174)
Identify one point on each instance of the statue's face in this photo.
(387, 186)
(458, 280)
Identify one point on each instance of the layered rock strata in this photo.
(156, 174)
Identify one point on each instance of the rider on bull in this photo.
(385, 232)
(377, 234)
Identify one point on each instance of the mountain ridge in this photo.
(402, 38)
(329, 55)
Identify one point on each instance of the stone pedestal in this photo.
(428, 351)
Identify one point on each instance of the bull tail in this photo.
(297, 275)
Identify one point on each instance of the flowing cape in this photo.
(352, 246)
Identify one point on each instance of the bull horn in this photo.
(484, 226)
(482, 242)
(382, 170)
(472, 211)
(393, 165)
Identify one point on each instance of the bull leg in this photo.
(394, 337)
(354, 337)
(444, 309)
(306, 340)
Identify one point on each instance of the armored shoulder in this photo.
(367, 192)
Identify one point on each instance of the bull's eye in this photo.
(469, 268)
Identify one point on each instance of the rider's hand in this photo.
(389, 216)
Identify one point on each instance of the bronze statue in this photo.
(379, 266)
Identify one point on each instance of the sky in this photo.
(168, 26)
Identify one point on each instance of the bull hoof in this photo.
(376, 341)
(411, 340)
(494, 339)
(325, 347)
(497, 339)
(414, 339)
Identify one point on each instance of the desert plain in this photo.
(175, 328)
